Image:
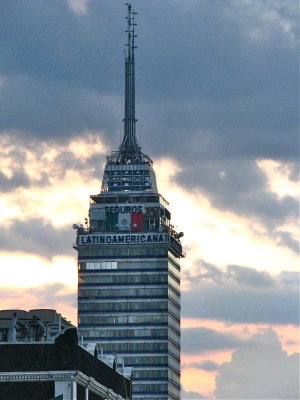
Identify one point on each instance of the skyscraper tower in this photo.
(128, 260)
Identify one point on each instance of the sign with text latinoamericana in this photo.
(144, 238)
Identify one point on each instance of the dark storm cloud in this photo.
(242, 295)
(57, 66)
(216, 86)
(52, 110)
(37, 237)
(199, 340)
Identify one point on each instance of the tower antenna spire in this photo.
(129, 151)
(129, 148)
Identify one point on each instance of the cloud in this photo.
(191, 395)
(287, 239)
(250, 276)
(78, 6)
(259, 370)
(36, 236)
(55, 296)
(242, 295)
(207, 365)
(22, 166)
(19, 179)
(199, 340)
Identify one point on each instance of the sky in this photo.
(217, 100)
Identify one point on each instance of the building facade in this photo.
(128, 262)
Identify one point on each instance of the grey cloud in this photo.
(191, 395)
(286, 239)
(88, 167)
(250, 276)
(206, 271)
(12, 151)
(239, 186)
(19, 179)
(259, 370)
(205, 365)
(290, 279)
(37, 237)
(53, 110)
(243, 296)
(199, 340)
(15, 148)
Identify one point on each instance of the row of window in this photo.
(126, 292)
(98, 265)
(98, 223)
(156, 374)
(139, 347)
(126, 279)
(127, 178)
(144, 347)
(129, 305)
(153, 361)
(129, 292)
(139, 265)
(121, 334)
(150, 388)
(122, 251)
(126, 319)
(108, 199)
(130, 319)
(125, 333)
(152, 305)
(132, 264)
(150, 373)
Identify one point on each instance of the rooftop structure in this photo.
(38, 325)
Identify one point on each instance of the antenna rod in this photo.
(129, 144)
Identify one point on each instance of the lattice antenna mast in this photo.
(129, 148)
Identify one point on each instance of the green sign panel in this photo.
(60, 397)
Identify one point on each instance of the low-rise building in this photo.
(41, 367)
